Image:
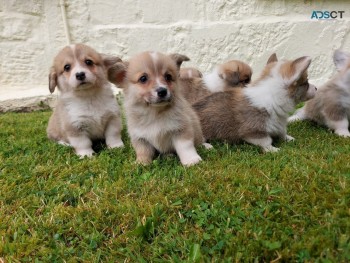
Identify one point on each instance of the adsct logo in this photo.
(327, 15)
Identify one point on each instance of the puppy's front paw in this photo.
(294, 118)
(191, 160)
(343, 133)
(289, 138)
(207, 146)
(85, 153)
(143, 160)
(271, 149)
(115, 144)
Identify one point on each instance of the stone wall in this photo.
(209, 32)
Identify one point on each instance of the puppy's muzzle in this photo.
(80, 76)
(162, 92)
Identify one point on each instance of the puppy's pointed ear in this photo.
(340, 59)
(52, 79)
(117, 72)
(108, 60)
(299, 66)
(178, 58)
(272, 58)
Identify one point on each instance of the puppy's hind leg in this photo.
(264, 142)
(299, 115)
(113, 133)
(340, 127)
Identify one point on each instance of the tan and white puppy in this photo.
(231, 74)
(225, 76)
(331, 105)
(258, 113)
(86, 107)
(158, 116)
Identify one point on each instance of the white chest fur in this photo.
(157, 129)
(90, 113)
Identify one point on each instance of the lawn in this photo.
(237, 205)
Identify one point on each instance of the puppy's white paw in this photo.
(115, 144)
(207, 146)
(192, 160)
(64, 143)
(289, 138)
(294, 118)
(343, 133)
(85, 153)
(271, 149)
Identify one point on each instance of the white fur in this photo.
(88, 110)
(298, 115)
(157, 133)
(272, 95)
(213, 81)
(340, 127)
(265, 143)
(186, 151)
(82, 145)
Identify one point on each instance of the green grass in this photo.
(237, 205)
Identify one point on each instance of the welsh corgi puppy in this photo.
(188, 73)
(225, 76)
(86, 107)
(331, 105)
(258, 113)
(231, 74)
(158, 116)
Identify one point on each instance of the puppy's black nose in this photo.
(162, 92)
(80, 76)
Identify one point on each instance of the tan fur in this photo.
(188, 73)
(247, 114)
(166, 124)
(235, 73)
(193, 89)
(86, 110)
(229, 116)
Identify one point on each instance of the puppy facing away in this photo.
(331, 105)
(86, 107)
(188, 73)
(231, 74)
(258, 113)
(158, 116)
(225, 76)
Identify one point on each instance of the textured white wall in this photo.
(209, 32)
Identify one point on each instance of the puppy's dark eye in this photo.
(143, 79)
(168, 77)
(66, 67)
(89, 62)
(246, 81)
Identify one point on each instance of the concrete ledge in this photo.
(28, 104)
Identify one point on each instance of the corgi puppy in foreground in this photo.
(231, 74)
(331, 105)
(258, 113)
(225, 76)
(158, 116)
(86, 107)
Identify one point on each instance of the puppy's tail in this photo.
(298, 115)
